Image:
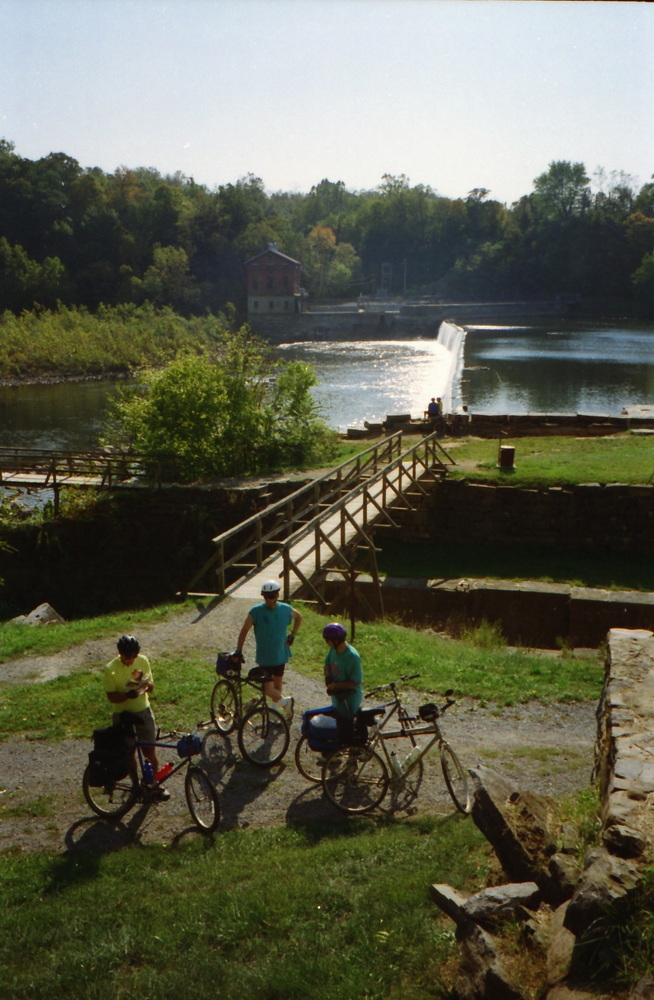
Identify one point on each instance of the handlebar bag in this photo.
(226, 666)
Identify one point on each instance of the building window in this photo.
(256, 303)
(271, 306)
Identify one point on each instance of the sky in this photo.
(454, 94)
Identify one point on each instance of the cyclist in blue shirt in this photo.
(270, 621)
(343, 678)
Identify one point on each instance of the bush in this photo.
(234, 413)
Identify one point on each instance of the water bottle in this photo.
(163, 772)
(148, 773)
(396, 764)
(411, 756)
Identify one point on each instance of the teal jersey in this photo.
(345, 666)
(270, 631)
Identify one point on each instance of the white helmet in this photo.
(270, 587)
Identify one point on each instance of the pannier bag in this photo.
(112, 756)
(319, 727)
(226, 666)
(189, 745)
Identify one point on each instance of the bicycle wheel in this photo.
(455, 778)
(202, 799)
(224, 705)
(216, 754)
(111, 800)
(263, 736)
(355, 779)
(308, 762)
(404, 790)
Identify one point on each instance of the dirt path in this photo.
(546, 748)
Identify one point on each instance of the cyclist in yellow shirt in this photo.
(127, 683)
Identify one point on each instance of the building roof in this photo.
(272, 248)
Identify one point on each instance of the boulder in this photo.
(45, 614)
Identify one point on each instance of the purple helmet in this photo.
(334, 631)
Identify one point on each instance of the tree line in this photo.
(81, 237)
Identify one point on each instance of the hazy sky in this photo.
(455, 94)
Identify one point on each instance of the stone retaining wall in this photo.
(530, 614)
(557, 896)
(602, 517)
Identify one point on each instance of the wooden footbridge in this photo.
(324, 528)
(40, 469)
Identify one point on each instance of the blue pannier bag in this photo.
(320, 736)
(189, 745)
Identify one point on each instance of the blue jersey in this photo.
(270, 631)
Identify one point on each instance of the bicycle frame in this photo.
(407, 729)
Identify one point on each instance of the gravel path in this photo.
(546, 748)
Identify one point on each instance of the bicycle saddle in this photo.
(259, 674)
(368, 715)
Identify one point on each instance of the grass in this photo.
(20, 640)
(479, 667)
(285, 914)
(556, 461)
(445, 560)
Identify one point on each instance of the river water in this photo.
(495, 369)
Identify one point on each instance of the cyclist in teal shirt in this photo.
(270, 621)
(343, 678)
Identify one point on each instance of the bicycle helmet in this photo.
(128, 645)
(270, 587)
(334, 631)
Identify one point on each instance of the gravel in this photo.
(547, 748)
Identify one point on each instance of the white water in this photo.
(365, 380)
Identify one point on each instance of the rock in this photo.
(560, 949)
(622, 840)
(501, 903)
(644, 990)
(565, 871)
(604, 879)
(517, 825)
(481, 974)
(45, 614)
(450, 901)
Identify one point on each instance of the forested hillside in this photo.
(82, 237)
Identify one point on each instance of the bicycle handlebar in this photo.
(385, 687)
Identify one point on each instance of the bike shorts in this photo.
(144, 724)
(275, 671)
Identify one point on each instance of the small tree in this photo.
(202, 417)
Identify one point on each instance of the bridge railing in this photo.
(257, 540)
(52, 467)
(366, 505)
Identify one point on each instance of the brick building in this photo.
(273, 283)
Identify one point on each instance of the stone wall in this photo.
(558, 896)
(529, 614)
(604, 518)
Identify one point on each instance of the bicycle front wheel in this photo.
(455, 779)
(308, 762)
(263, 737)
(202, 799)
(224, 705)
(355, 779)
(113, 800)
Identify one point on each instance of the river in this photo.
(559, 367)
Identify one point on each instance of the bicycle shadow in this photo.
(239, 783)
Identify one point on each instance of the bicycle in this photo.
(262, 733)
(315, 744)
(112, 797)
(356, 778)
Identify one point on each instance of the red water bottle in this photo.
(163, 772)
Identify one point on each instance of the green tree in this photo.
(562, 191)
(203, 417)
